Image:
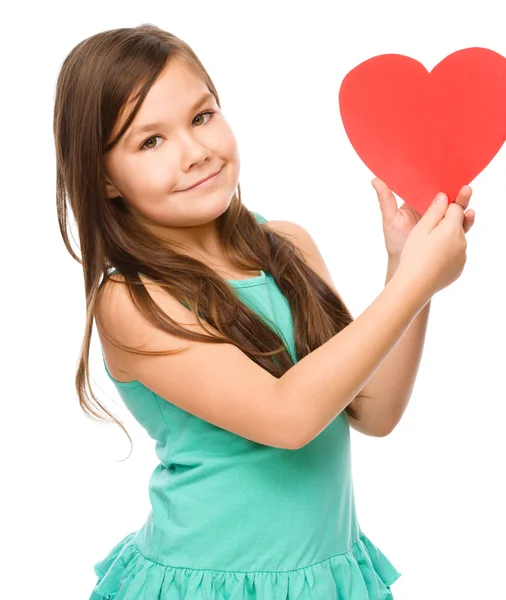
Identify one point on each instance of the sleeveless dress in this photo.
(232, 519)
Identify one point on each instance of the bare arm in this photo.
(392, 384)
(390, 387)
(220, 384)
(323, 383)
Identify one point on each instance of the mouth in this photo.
(204, 182)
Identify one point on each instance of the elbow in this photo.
(382, 433)
(297, 440)
(303, 439)
(371, 426)
(295, 443)
(384, 430)
(378, 430)
(291, 424)
(297, 446)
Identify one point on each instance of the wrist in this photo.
(392, 265)
(394, 260)
(411, 289)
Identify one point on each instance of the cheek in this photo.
(231, 155)
(151, 176)
(226, 142)
(233, 150)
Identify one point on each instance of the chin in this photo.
(220, 203)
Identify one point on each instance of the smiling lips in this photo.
(203, 182)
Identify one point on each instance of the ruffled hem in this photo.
(363, 573)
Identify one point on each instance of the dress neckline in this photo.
(248, 282)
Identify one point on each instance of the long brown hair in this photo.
(97, 80)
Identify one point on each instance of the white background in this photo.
(431, 494)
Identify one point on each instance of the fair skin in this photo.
(392, 384)
(150, 171)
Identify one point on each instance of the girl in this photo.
(253, 496)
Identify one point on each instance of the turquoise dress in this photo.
(232, 519)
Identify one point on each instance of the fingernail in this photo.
(440, 198)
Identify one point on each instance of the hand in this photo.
(398, 222)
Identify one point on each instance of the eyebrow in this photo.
(150, 126)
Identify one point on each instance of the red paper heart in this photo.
(426, 132)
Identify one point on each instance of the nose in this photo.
(193, 151)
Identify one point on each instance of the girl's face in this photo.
(178, 138)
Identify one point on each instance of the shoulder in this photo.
(297, 234)
(287, 227)
(308, 248)
(116, 308)
(304, 242)
(118, 317)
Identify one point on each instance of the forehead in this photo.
(176, 85)
(176, 89)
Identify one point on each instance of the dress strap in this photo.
(259, 217)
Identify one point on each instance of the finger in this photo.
(454, 214)
(386, 199)
(435, 213)
(464, 196)
(469, 219)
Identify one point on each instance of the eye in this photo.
(146, 147)
(208, 112)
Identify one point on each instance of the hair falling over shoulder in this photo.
(97, 79)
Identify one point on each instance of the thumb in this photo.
(435, 213)
(386, 199)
